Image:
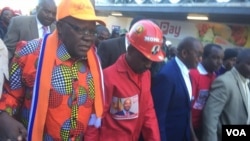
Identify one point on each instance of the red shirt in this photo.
(201, 83)
(121, 83)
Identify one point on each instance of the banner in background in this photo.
(226, 35)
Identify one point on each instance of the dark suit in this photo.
(21, 28)
(110, 50)
(172, 103)
(122, 113)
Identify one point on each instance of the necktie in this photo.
(45, 30)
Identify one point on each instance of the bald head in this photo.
(187, 43)
(189, 51)
(243, 55)
(243, 62)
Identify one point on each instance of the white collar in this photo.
(126, 42)
(39, 25)
(182, 66)
(201, 69)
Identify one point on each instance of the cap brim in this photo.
(89, 18)
(159, 57)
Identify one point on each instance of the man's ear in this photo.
(184, 53)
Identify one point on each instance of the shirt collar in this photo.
(39, 25)
(201, 69)
(62, 53)
(182, 66)
(126, 42)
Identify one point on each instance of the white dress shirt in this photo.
(185, 75)
(244, 82)
(40, 28)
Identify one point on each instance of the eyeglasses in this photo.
(84, 32)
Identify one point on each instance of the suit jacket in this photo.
(110, 50)
(225, 105)
(21, 28)
(122, 113)
(172, 103)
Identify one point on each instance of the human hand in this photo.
(11, 129)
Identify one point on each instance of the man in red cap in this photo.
(129, 78)
(55, 85)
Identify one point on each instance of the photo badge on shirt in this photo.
(124, 108)
(201, 100)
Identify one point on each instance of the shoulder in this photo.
(112, 41)
(22, 18)
(28, 47)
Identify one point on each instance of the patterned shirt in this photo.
(71, 93)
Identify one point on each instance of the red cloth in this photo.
(122, 82)
(200, 87)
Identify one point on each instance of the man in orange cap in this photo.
(132, 67)
(54, 90)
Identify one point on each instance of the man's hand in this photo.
(11, 129)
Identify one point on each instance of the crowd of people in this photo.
(65, 77)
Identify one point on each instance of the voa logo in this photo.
(236, 132)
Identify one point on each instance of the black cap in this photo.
(230, 53)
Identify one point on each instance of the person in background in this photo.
(5, 16)
(110, 50)
(115, 33)
(229, 60)
(202, 78)
(25, 28)
(229, 99)
(129, 78)
(56, 84)
(172, 91)
(4, 65)
(102, 33)
(172, 52)
(123, 32)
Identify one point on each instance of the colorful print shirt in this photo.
(71, 93)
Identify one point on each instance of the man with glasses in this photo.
(56, 85)
(31, 27)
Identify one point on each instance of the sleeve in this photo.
(150, 128)
(14, 89)
(12, 37)
(213, 109)
(162, 87)
(103, 53)
(93, 133)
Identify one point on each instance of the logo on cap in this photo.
(155, 49)
(139, 29)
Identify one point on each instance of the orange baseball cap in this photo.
(79, 9)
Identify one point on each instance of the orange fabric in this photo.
(42, 105)
(80, 9)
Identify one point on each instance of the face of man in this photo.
(103, 35)
(7, 15)
(229, 63)
(127, 104)
(214, 60)
(46, 12)
(193, 55)
(244, 67)
(137, 61)
(77, 35)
